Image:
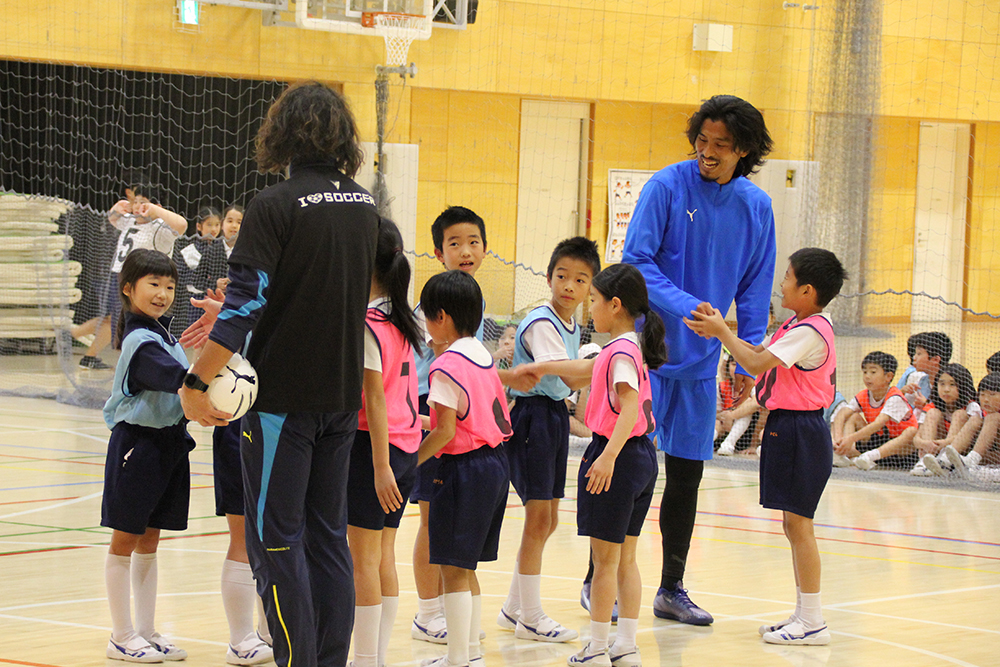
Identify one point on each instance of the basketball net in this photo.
(399, 31)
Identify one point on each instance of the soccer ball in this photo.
(235, 387)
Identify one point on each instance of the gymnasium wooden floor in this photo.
(911, 575)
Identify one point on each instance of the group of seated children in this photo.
(933, 421)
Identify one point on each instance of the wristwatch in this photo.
(192, 381)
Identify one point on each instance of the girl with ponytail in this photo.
(384, 458)
(618, 470)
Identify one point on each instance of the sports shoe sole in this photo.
(506, 621)
(147, 654)
(956, 461)
(558, 635)
(818, 637)
(630, 659)
(933, 465)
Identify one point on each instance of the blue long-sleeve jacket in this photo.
(694, 240)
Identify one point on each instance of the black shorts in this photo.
(423, 483)
(876, 440)
(620, 511)
(363, 508)
(538, 448)
(796, 457)
(227, 468)
(147, 478)
(467, 506)
(110, 301)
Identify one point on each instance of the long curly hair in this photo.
(309, 122)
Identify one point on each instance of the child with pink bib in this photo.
(384, 457)
(796, 377)
(618, 470)
(469, 422)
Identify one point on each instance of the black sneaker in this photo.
(93, 364)
(677, 606)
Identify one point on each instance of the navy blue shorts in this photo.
(796, 457)
(111, 302)
(363, 508)
(467, 506)
(538, 448)
(619, 511)
(423, 483)
(227, 468)
(685, 416)
(147, 478)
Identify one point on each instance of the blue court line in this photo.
(77, 451)
(50, 486)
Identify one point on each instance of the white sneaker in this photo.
(920, 470)
(251, 651)
(441, 662)
(863, 463)
(135, 649)
(435, 631)
(726, 449)
(168, 649)
(932, 466)
(477, 661)
(764, 629)
(507, 620)
(958, 462)
(585, 657)
(841, 461)
(545, 630)
(625, 658)
(796, 634)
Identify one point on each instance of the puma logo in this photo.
(246, 435)
(336, 184)
(691, 214)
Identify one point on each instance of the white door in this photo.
(551, 179)
(939, 224)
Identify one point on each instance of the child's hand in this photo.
(524, 377)
(221, 284)
(599, 475)
(919, 401)
(144, 212)
(843, 444)
(122, 207)
(725, 418)
(706, 325)
(385, 488)
(196, 335)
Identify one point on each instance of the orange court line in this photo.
(28, 664)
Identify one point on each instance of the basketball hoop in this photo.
(398, 30)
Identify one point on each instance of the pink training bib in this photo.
(798, 388)
(602, 415)
(486, 421)
(399, 377)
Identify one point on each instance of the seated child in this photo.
(928, 351)
(469, 422)
(878, 423)
(953, 418)
(986, 451)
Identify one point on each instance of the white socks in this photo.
(475, 622)
(872, 455)
(458, 616)
(366, 632)
(625, 639)
(973, 458)
(599, 636)
(239, 597)
(117, 581)
(144, 575)
(390, 605)
(531, 598)
(512, 605)
(811, 613)
(428, 609)
(740, 427)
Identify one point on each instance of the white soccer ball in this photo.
(235, 387)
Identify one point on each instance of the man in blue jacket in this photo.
(703, 236)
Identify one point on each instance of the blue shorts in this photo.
(685, 416)
(147, 478)
(363, 508)
(227, 468)
(423, 483)
(467, 506)
(796, 457)
(538, 449)
(619, 511)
